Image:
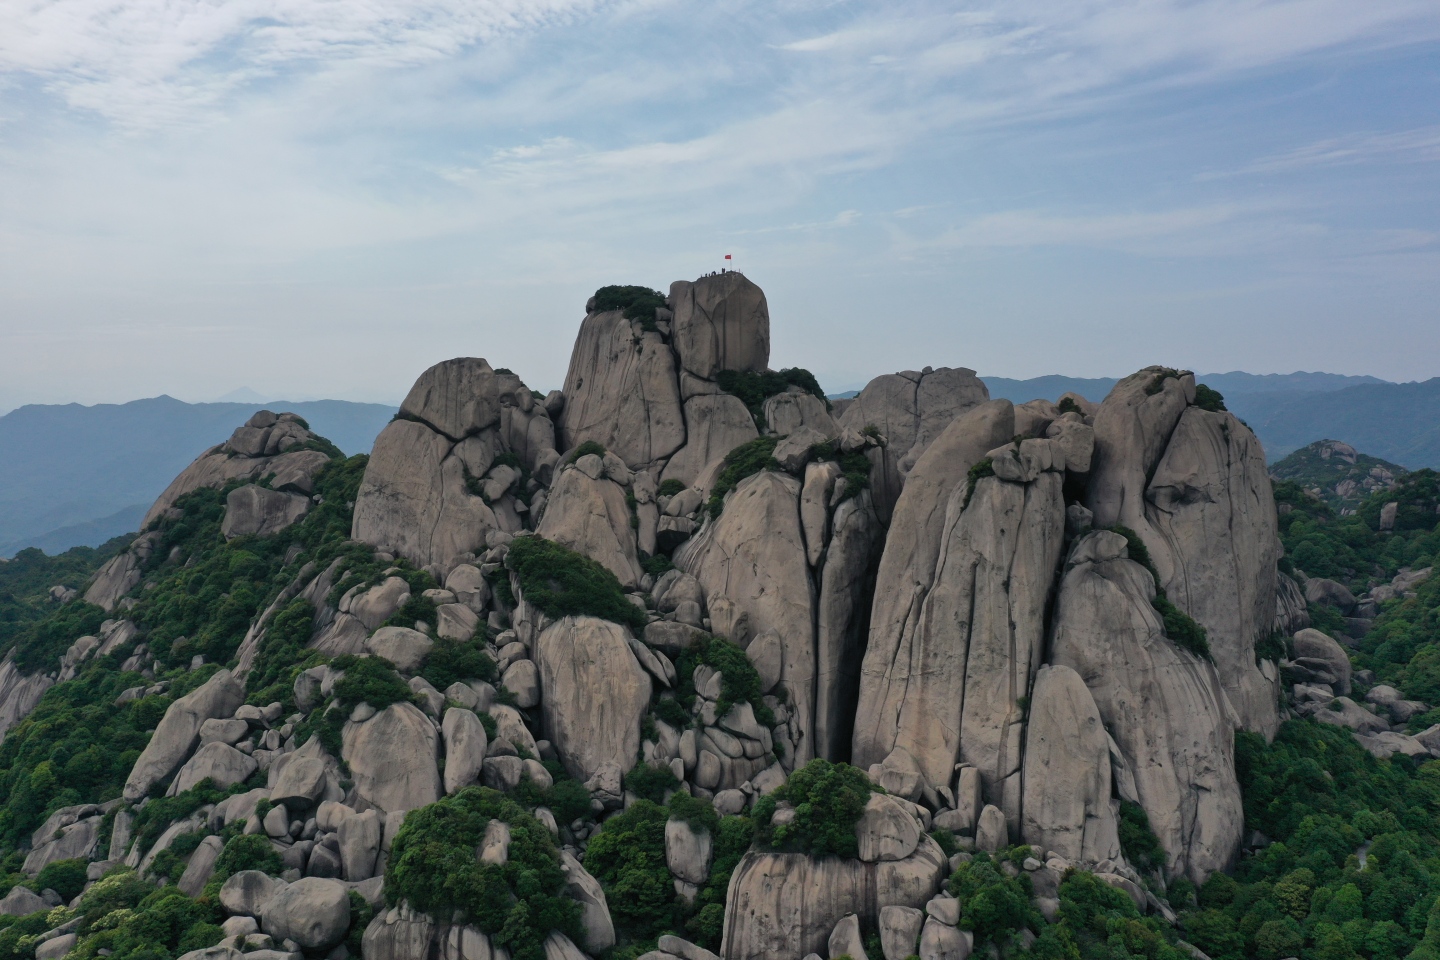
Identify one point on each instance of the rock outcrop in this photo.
(424, 495)
(594, 694)
(1165, 708)
(179, 732)
(910, 410)
(896, 656)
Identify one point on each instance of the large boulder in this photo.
(414, 500)
(255, 511)
(894, 669)
(1067, 786)
(218, 762)
(21, 902)
(1132, 428)
(392, 758)
(751, 564)
(458, 397)
(75, 842)
(590, 516)
(585, 890)
(910, 410)
(1164, 706)
(787, 904)
(179, 731)
(595, 694)
(721, 322)
(465, 746)
(1322, 659)
(19, 692)
(1210, 504)
(402, 646)
(622, 391)
(115, 578)
(314, 912)
(715, 424)
(400, 933)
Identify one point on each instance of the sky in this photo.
(321, 198)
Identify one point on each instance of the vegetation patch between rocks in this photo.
(744, 461)
(829, 799)
(1180, 627)
(563, 583)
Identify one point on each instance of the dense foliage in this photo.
(26, 579)
(1208, 399)
(744, 461)
(635, 303)
(754, 387)
(739, 682)
(563, 583)
(433, 866)
(829, 799)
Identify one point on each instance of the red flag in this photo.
(727, 256)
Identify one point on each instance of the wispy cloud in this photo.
(1421, 145)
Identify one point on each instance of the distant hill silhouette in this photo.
(72, 475)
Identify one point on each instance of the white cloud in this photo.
(1420, 145)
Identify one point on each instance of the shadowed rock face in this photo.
(1165, 707)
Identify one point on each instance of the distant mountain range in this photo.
(72, 475)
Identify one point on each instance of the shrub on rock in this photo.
(828, 799)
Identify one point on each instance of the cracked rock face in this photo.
(1165, 707)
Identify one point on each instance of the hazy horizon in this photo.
(325, 200)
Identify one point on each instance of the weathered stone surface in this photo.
(900, 931)
(941, 941)
(843, 620)
(721, 323)
(73, 842)
(787, 413)
(251, 453)
(1077, 439)
(590, 516)
(455, 621)
(314, 912)
(254, 511)
(392, 758)
(374, 606)
(1210, 506)
(19, 693)
(201, 866)
(465, 746)
(402, 646)
(21, 902)
(247, 892)
(887, 830)
(714, 425)
(845, 940)
(585, 890)
(624, 398)
(359, 836)
(218, 762)
(992, 833)
(907, 572)
(687, 851)
(1291, 613)
(1067, 785)
(413, 500)
(117, 577)
(300, 784)
(1331, 664)
(560, 947)
(751, 564)
(910, 410)
(1132, 428)
(1165, 708)
(399, 933)
(179, 731)
(230, 731)
(595, 694)
(457, 397)
(957, 680)
(787, 904)
(1344, 712)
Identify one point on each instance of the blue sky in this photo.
(323, 197)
